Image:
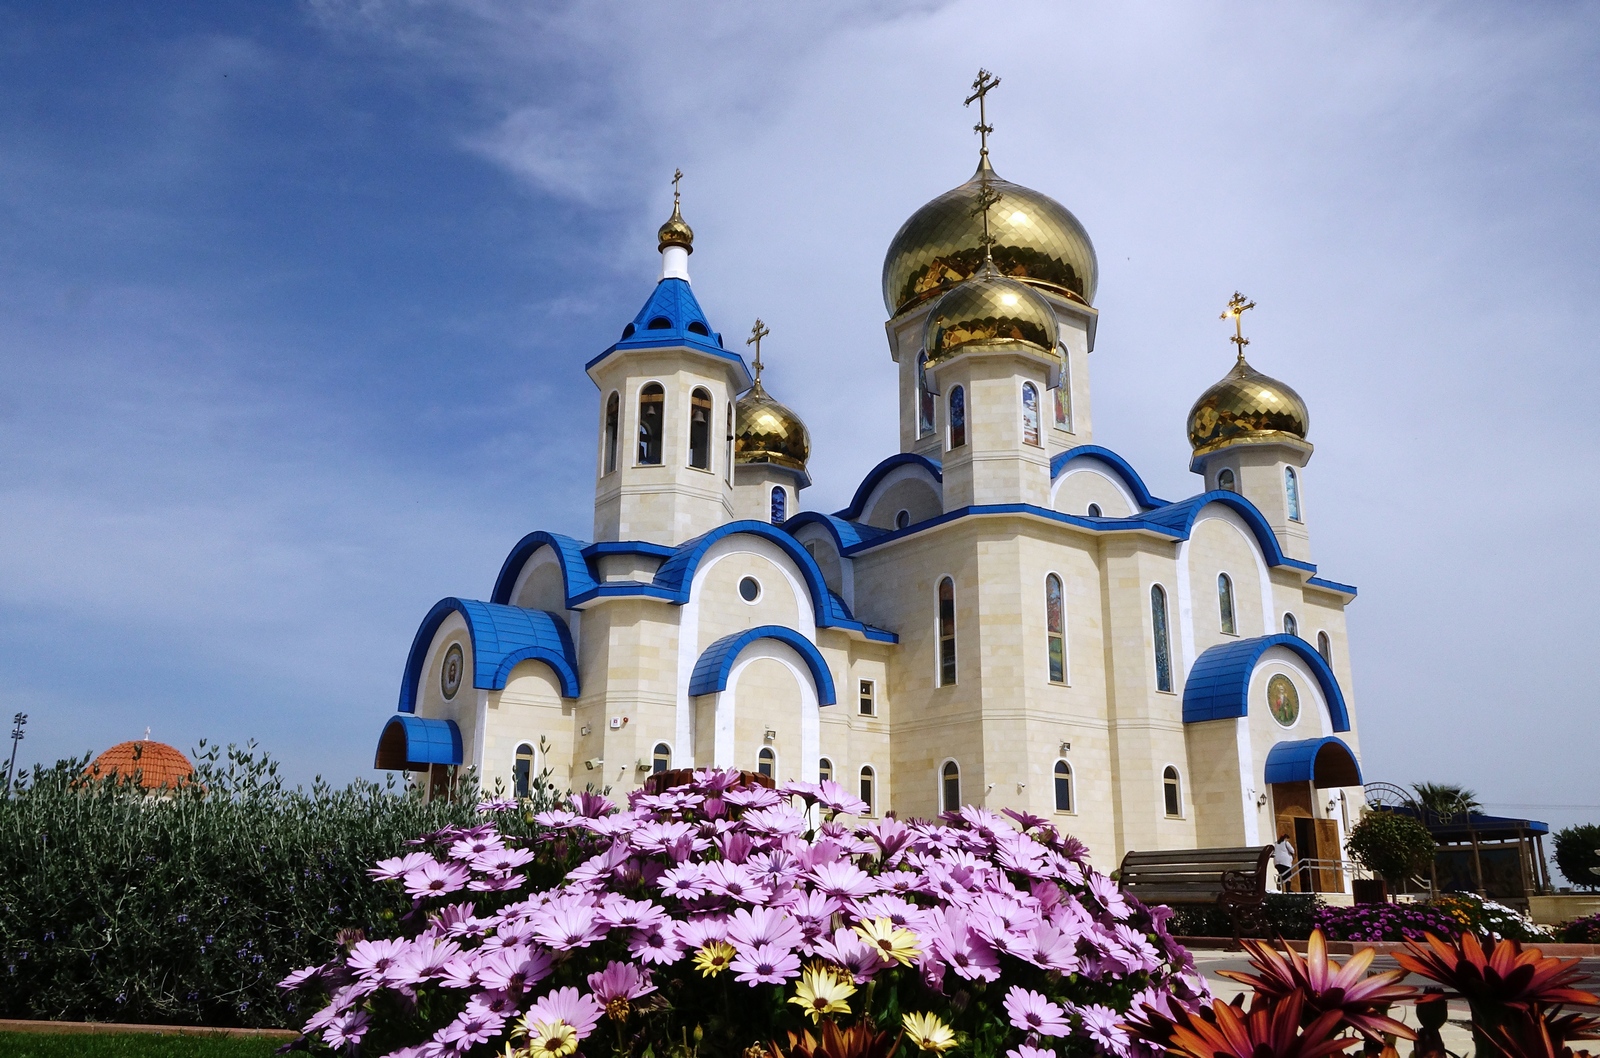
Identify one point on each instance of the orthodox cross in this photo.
(677, 174)
(758, 332)
(1238, 305)
(987, 196)
(980, 89)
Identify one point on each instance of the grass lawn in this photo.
(131, 1045)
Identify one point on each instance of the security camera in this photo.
(594, 762)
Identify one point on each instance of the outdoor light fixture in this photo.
(1261, 801)
(771, 735)
(594, 762)
(1066, 747)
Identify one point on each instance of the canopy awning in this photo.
(412, 743)
(1324, 762)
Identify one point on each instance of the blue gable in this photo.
(1124, 470)
(716, 664)
(1218, 687)
(502, 637)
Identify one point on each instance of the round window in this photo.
(902, 519)
(450, 671)
(749, 589)
(1283, 700)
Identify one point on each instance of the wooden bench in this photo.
(1232, 879)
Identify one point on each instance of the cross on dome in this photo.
(980, 91)
(758, 332)
(1238, 305)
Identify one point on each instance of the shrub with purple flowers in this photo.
(1386, 922)
(1584, 930)
(726, 918)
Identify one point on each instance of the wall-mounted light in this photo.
(1066, 747)
(593, 762)
(1261, 801)
(1021, 786)
(770, 735)
(584, 730)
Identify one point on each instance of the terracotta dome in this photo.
(156, 764)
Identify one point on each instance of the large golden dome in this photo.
(1246, 407)
(1037, 240)
(992, 311)
(765, 431)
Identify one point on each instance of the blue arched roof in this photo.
(1297, 761)
(1124, 469)
(845, 534)
(877, 474)
(1218, 686)
(676, 575)
(502, 636)
(712, 670)
(674, 302)
(575, 573)
(1181, 517)
(411, 743)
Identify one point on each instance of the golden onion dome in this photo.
(991, 311)
(765, 431)
(1037, 240)
(675, 232)
(1246, 407)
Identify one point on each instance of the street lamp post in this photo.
(17, 722)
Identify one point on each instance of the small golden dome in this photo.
(1246, 407)
(765, 431)
(993, 311)
(1037, 240)
(675, 232)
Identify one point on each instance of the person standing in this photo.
(1283, 859)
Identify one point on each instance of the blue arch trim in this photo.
(575, 572)
(712, 670)
(1297, 761)
(845, 534)
(676, 575)
(1124, 469)
(1181, 517)
(879, 472)
(673, 300)
(502, 636)
(1218, 687)
(413, 742)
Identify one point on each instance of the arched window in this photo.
(700, 429)
(613, 424)
(652, 413)
(1055, 628)
(902, 519)
(766, 762)
(727, 466)
(1291, 627)
(1225, 481)
(1169, 790)
(1064, 395)
(1094, 510)
(522, 771)
(1063, 777)
(867, 789)
(924, 398)
(1325, 647)
(1225, 604)
(661, 758)
(1030, 413)
(1163, 643)
(947, 632)
(950, 787)
(1291, 492)
(824, 770)
(780, 505)
(958, 417)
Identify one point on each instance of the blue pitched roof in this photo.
(712, 670)
(411, 743)
(1218, 686)
(879, 472)
(1297, 761)
(846, 534)
(502, 636)
(669, 319)
(1124, 470)
(570, 554)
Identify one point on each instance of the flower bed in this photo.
(1582, 930)
(1488, 918)
(1385, 922)
(723, 917)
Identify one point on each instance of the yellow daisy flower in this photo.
(553, 1039)
(928, 1032)
(889, 940)
(823, 992)
(713, 958)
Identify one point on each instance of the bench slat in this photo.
(1157, 870)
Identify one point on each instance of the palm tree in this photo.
(1445, 801)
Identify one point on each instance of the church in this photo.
(1004, 615)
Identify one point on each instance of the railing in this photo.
(1321, 876)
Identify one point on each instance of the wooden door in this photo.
(1330, 879)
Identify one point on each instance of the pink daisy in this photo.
(767, 964)
(1032, 1012)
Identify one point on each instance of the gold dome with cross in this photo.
(765, 431)
(1245, 406)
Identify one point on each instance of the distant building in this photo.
(155, 765)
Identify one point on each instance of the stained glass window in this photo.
(1030, 413)
(958, 417)
(1055, 628)
(1063, 396)
(1291, 627)
(924, 397)
(1291, 490)
(1325, 647)
(1163, 645)
(780, 505)
(947, 632)
(1225, 604)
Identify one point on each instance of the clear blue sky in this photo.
(294, 302)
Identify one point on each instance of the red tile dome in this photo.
(156, 764)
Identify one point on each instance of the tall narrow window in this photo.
(1225, 604)
(700, 430)
(1169, 790)
(824, 770)
(868, 777)
(1163, 643)
(924, 398)
(947, 632)
(1055, 628)
(727, 465)
(869, 698)
(780, 505)
(950, 787)
(1063, 777)
(1063, 394)
(522, 771)
(1325, 647)
(1225, 481)
(1030, 413)
(661, 758)
(1291, 492)
(766, 762)
(1291, 627)
(613, 424)
(652, 412)
(958, 417)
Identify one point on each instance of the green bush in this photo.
(1391, 845)
(132, 1045)
(1575, 854)
(187, 908)
(1289, 916)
